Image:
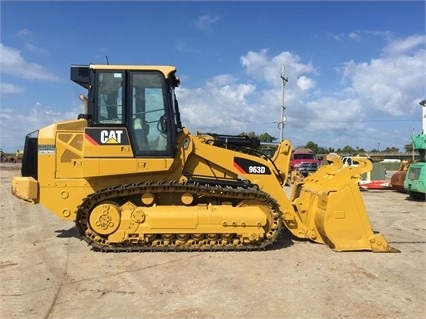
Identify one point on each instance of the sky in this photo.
(355, 71)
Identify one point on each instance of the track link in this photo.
(205, 194)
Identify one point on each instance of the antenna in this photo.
(107, 59)
(283, 117)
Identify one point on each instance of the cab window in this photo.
(110, 98)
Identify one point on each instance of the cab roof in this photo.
(165, 69)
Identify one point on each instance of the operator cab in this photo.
(139, 98)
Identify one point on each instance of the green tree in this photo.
(249, 134)
(324, 150)
(391, 150)
(266, 137)
(408, 148)
(312, 146)
(348, 150)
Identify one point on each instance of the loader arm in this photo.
(326, 207)
(281, 158)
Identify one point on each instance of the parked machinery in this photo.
(134, 179)
(397, 179)
(415, 179)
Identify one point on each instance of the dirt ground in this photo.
(46, 272)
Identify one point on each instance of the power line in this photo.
(313, 121)
(352, 121)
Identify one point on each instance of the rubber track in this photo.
(216, 192)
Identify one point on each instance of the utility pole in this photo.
(412, 144)
(283, 117)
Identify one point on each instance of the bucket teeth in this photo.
(380, 245)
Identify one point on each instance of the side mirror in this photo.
(163, 124)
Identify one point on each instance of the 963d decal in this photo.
(246, 166)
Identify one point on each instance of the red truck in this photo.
(303, 155)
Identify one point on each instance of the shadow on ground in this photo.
(67, 233)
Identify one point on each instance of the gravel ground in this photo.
(46, 272)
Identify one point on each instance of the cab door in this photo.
(150, 124)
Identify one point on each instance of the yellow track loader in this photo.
(134, 179)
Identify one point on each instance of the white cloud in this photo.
(24, 33)
(35, 49)
(39, 116)
(354, 36)
(334, 113)
(388, 84)
(7, 88)
(220, 105)
(261, 66)
(228, 106)
(335, 36)
(405, 46)
(12, 62)
(382, 88)
(206, 22)
(305, 83)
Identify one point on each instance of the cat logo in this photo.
(102, 136)
(111, 136)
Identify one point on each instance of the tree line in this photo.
(266, 137)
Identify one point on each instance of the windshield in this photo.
(303, 156)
